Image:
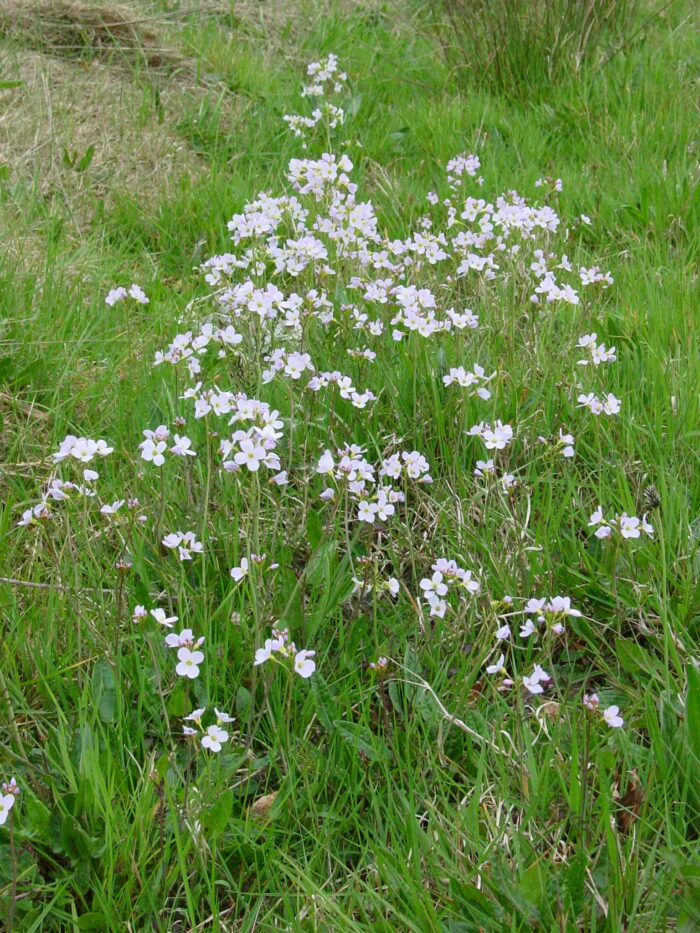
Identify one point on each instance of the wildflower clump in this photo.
(360, 433)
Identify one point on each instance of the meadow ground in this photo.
(452, 758)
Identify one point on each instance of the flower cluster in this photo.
(476, 380)
(375, 500)
(213, 736)
(326, 78)
(156, 445)
(495, 438)
(185, 542)
(611, 715)
(627, 526)
(446, 577)
(191, 348)
(189, 657)
(243, 569)
(350, 275)
(535, 682)
(371, 583)
(81, 448)
(547, 612)
(487, 468)
(597, 353)
(279, 647)
(252, 446)
(119, 294)
(608, 405)
(564, 444)
(344, 385)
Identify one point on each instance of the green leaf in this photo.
(426, 707)
(532, 884)
(314, 529)
(218, 815)
(54, 829)
(396, 697)
(76, 842)
(35, 814)
(104, 691)
(326, 707)
(242, 702)
(84, 745)
(631, 656)
(84, 162)
(472, 903)
(177, 703)
(93, 921)
(410, 662)
(361, 739)
(318, 570)
(692, 710)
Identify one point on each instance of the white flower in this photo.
(182, 447)
(498, 437)
(628, 526)
(503, 633)
(562, 605)
(303, 664)
(213, 738)
(596, 517)
(325, 463)
(367, 511)
(160, 617)
(138, 294)
(265, 653)
(438, 607)
(152, 451)
(250, 455)
(184, 640)
(433, 586)
(7, 802)
(139, 614)
(241, 571)
(114, 295)
(498, 667)
(392, 586)
(535, 606)
(612, 716)
(114, 507)
(611, 405)
(189, 662)
(222, 718)
(533, 683)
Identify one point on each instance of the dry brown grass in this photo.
(89, 78)
(75, 29)
(60, 110)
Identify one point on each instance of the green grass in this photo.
(425, 800)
